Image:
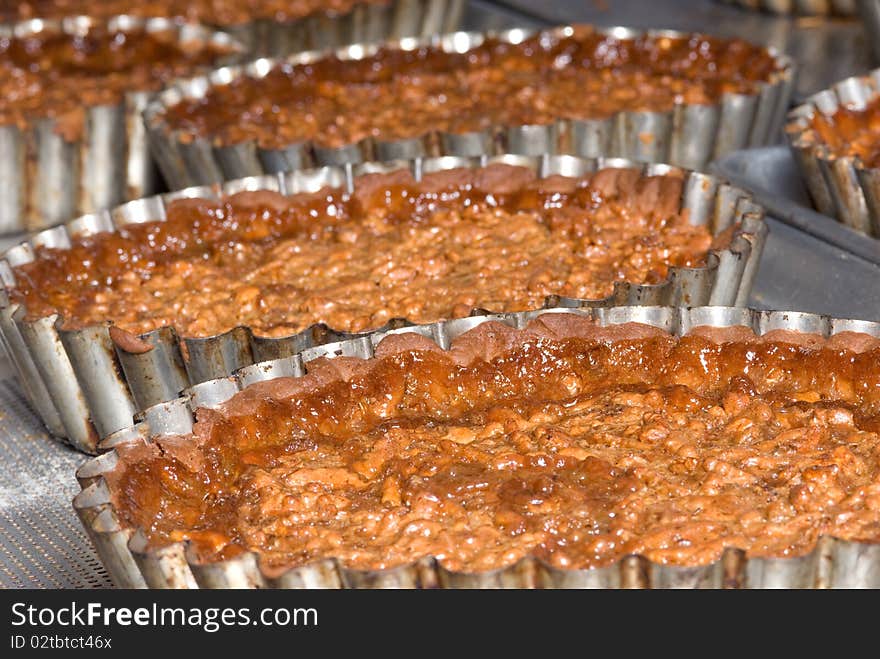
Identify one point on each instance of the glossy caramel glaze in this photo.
(397, 94)
(850, 133)
(574, 443)
(57, 75)
(212, 12)
(495, 238)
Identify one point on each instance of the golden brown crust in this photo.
(128, 341)
(856, 342)
(724, 334)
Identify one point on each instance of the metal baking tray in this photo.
(42, 544)
(131, 563)
(48, 180)
(870, 13)
(773, 177)
(86, 387)
(811, 261)
(688, 136)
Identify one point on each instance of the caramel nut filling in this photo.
(494, 238)
(213, 12)
(850, 133)
(397, 94)
(51, 74)
(570, 442)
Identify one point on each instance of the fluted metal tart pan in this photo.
(85, 387)
(132, 563)
(840, 186)
(689, 136)
(47, 179)
(398, 19)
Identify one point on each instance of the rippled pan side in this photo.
(365, 23)
(687, 136)
(832, 564)
(48, 180)
(95, 385)
(840, 186)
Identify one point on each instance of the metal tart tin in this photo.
(48, 180)
(85, 387)
(688, 136)
(265, 33)
(131, 563)
(397, 19)
(800, 7)
(841, 187)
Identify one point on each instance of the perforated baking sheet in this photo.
(42, 544)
